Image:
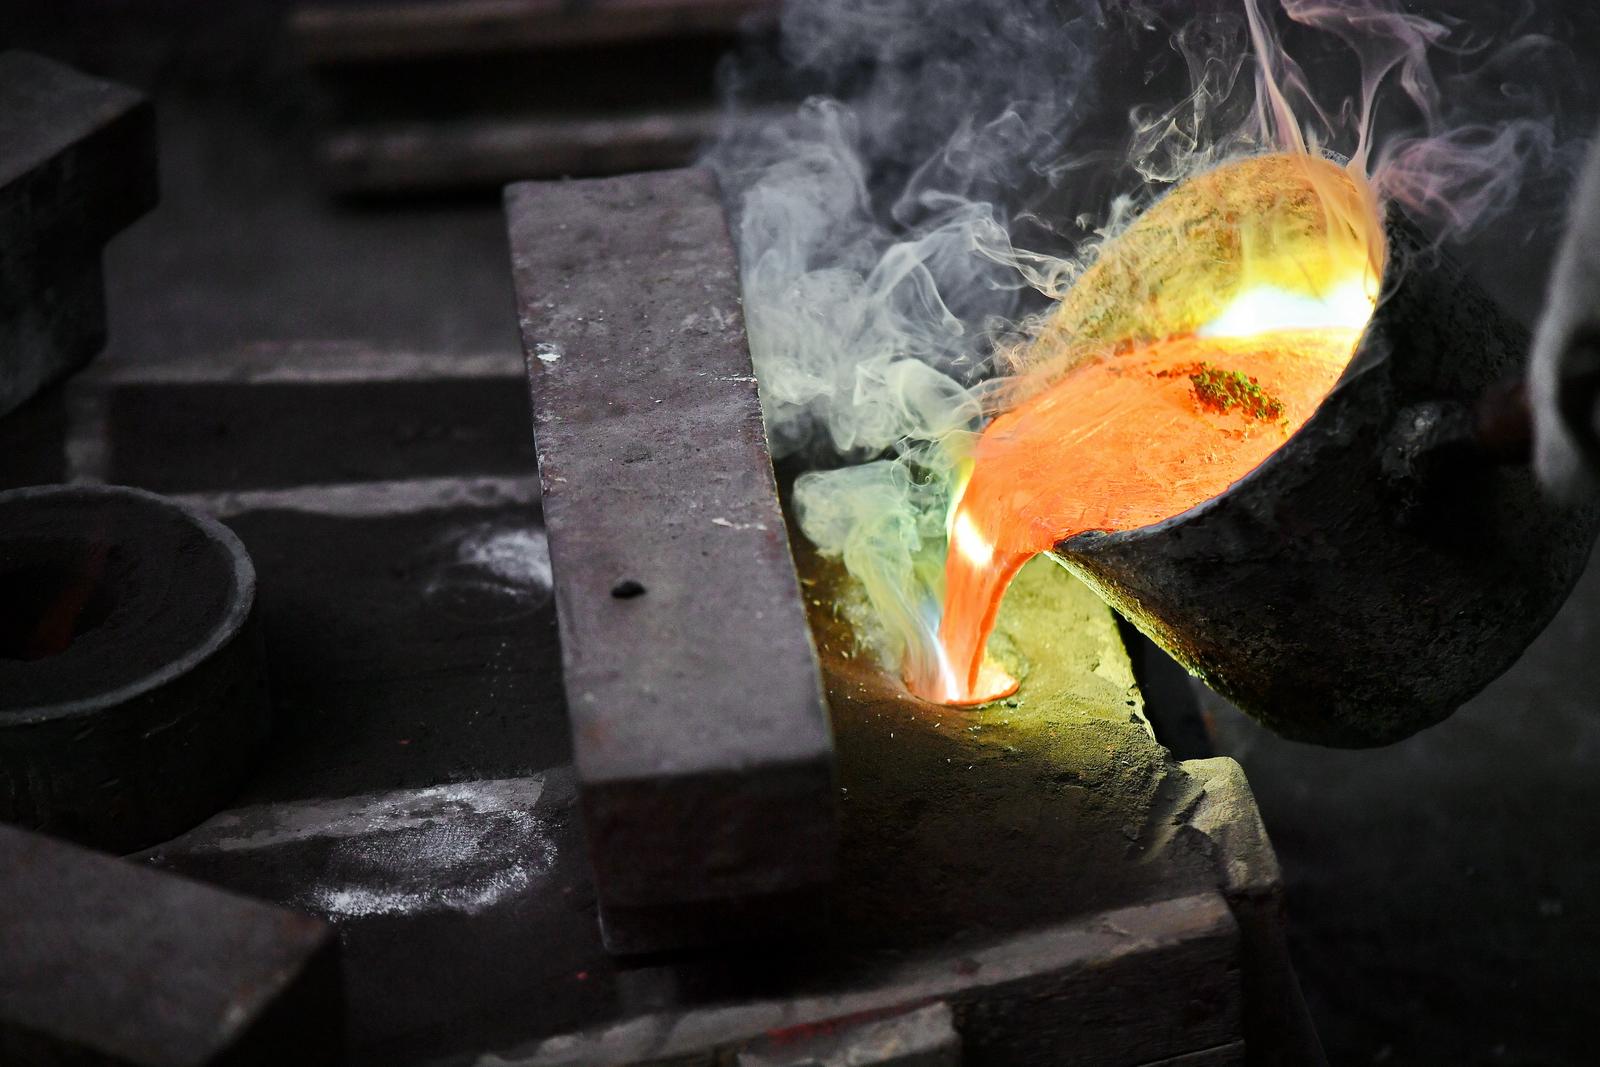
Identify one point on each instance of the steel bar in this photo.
(700, 734)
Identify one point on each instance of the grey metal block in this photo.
(1123, 987)
(77, 164)
(50, 328)
(334, 33)
(105, 962)
(132, 697)
(485, 151)
(925, 1037)
(700, 733)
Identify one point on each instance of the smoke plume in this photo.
(958, 164)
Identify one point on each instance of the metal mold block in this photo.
(132, 693)
(77, 165)
(106, 962)
(699, 729)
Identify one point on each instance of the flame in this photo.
(1266, 308)
(969, 543)
(1199, 341)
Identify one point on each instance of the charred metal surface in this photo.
(1170, 702)
(105, 962)
(132, 697)
(953, 819)
(701, 739)
(77, 164)
(1337, 603)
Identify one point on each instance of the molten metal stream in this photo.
(1164, 421)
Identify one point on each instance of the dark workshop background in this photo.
(1442, 892)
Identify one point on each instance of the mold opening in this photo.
(46, 606)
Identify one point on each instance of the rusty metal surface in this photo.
(953, 818)
(700, 735)
(106, 962)
(77, 164)
(1317, 593)
(139, 712)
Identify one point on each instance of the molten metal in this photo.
(1201, 339)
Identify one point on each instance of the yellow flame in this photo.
(1267, 308)
(967, 540)
(1280, 241)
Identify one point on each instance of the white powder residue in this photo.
(498, 572)
(269, 825)
(465, 862)
(519, 557)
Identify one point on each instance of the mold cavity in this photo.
(45, 607)
(627, 589)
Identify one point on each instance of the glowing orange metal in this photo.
(1188, 402)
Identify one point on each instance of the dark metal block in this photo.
(105, 962)
(479, 151)
(700, 733)
(426, 96)
(132, 698)
(1126, 986)
(77, 164)
(352, 33)
(278, 434)
(50, 327)
(79, 159)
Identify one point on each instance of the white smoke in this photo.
(881, 226)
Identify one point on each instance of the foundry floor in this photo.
(1442, 893)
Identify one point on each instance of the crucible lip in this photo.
(89, 501)
(1364, 359)
(1332, 593)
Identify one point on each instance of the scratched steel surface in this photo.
(700, 734)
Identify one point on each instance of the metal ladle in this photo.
(1395, 555)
